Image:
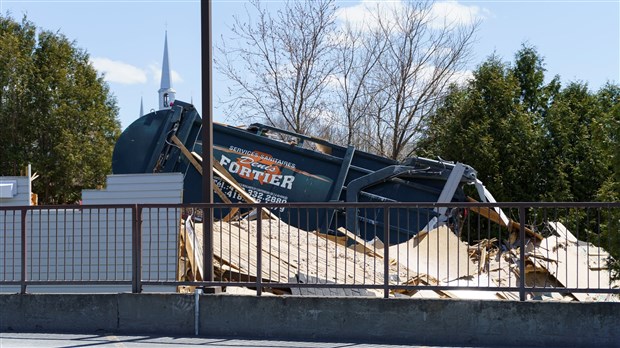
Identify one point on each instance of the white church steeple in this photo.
(166, 93)
(141, 107)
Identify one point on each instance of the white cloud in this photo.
(450, 12)
(119, 72)
(365, 14)
(335, 81)
(426, 73)
(155, 70)
(176, 77)
(461, 77)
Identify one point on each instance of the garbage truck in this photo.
(273, 165)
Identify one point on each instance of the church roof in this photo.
(166, 82)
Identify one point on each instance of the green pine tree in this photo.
(57, 114)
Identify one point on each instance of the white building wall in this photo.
(95, 243)
(138, 188)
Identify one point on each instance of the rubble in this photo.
(435, 258)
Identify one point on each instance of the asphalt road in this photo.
(46, 340)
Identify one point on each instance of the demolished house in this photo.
(437, 257)
(344, 250)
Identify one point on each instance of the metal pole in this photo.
(259, 249)
(386, 252)
(23, 246)
(139, 247)
(197, 293)
(134, 249)
(207, 139)
(136, 281)
(522, 254)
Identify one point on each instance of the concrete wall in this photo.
(404, 321)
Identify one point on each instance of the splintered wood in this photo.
(434, 258)
(287, 252)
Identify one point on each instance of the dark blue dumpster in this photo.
(277, 166)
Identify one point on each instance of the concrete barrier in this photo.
(373, 320)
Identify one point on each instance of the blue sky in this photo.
(580, 40)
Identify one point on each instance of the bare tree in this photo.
(420, 61)
(357, 55)
(280, 67)
(370, 86)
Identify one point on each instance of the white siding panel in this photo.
(138, 188)
(118, 179)
(79, 245)
(135, 196)
(89, 245)
(23, 192)
(128, 200)
(10, 244)
(95, 243)
(146, 187)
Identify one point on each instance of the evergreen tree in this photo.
(576, 153)
(57, 114)
(609, 99)
(531, 141)
(486, 125)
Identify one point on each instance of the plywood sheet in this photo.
(439, 253)
(287, 252)
(570, 266)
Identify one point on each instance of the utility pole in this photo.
(206, 54)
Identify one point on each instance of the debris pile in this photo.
(346, 263)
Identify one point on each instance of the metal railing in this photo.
(513, 251)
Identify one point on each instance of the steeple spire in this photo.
(166, 93)
(141, 107)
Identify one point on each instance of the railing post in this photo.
(23, 248)
(139, 248)
(522, 253)
(134, 281)
(136, 249)
(386, 252)
(259, 254)
(207, 245)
